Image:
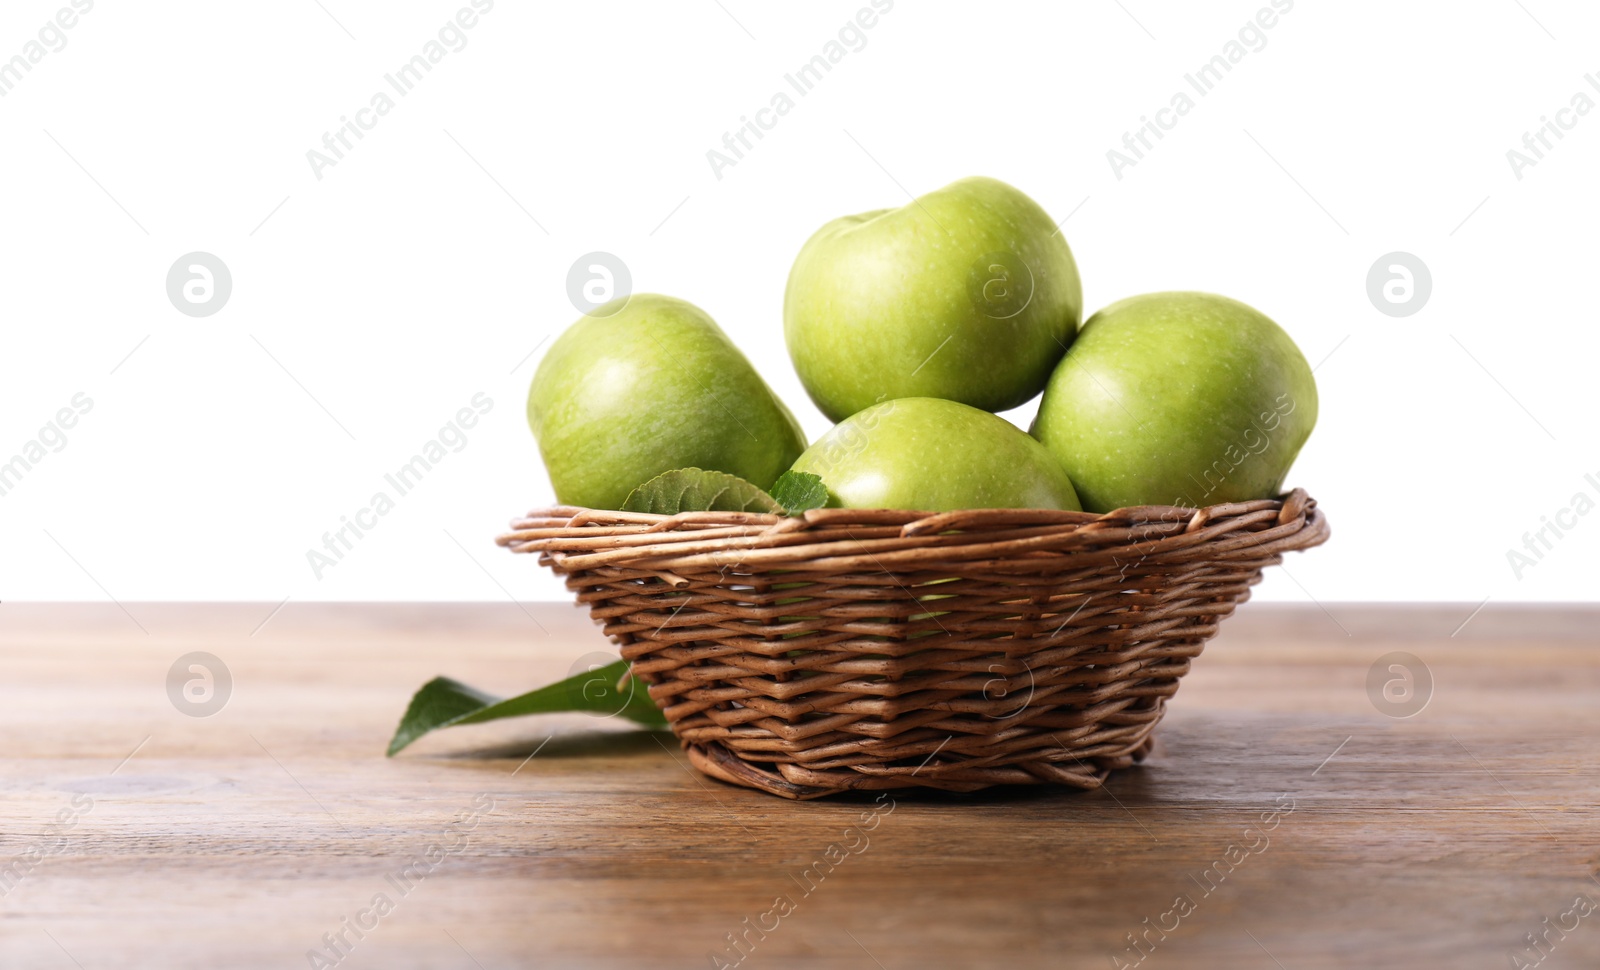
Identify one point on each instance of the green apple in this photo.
(968, 293)
(1185, 399)
(628, 393)
(937, 456)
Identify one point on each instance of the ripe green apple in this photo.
(626, 394)
(1186, 399)
(968, 293)
(937, 456)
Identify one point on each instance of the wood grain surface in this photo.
(1283, 820)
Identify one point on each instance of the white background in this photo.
(376, 301)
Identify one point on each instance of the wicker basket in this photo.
(849, 649)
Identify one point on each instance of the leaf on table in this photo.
(799, 492)
(698, 490)
(443, 702)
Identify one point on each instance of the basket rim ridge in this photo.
(593, 537)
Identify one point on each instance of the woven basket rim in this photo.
(830, 540)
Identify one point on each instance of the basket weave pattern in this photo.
(861, 649)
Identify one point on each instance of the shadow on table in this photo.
(1128, 786)
(571, 744)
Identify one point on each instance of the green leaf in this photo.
(696, 490)
(443, 702)
(799, 491)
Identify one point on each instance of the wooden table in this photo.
(239, 840)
